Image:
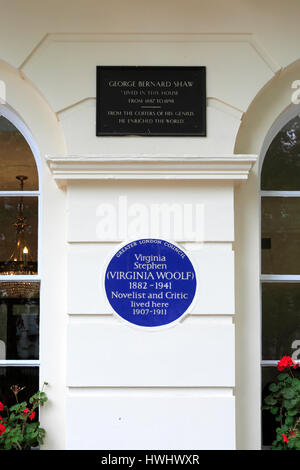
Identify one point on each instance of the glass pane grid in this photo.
(18, 235)
(19, 270)
(22, 376)
(280, 232)
(287, 276)
(281, 166)
(16, 158)
(280, 260)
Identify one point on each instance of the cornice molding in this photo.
(149, 167)
(194, 37)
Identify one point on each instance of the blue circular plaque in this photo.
(150, 282)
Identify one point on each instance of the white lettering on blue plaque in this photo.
(150, 282)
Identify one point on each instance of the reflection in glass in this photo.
(281, 167)
(9, 236)
(280, 225)
(15, 155)
(27, 377)
(280, 319)
(19, 320)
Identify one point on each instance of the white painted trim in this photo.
(280, 193)
(20, 277)
(150, 167)
(267, 363)
(19, 193)
(280, 278)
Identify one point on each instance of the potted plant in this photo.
(284, 403)
(19, 429)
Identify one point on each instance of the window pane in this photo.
(269, 424)
(281, 167)
(27, 377)
(280, 319)
(16, 159)
(19, 320)
(18, 235)
(280, 221)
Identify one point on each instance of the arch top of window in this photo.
(16, 159)
(281, 165)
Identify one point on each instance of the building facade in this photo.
(198, 383)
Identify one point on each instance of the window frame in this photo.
(284, 118)
(11, 116)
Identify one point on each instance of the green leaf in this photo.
(274, 387)
(270, 400)
(289, 421)
(297, 444)
(296, 384)
(289, 404)
(289, 393)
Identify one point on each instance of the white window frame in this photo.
(11, 116)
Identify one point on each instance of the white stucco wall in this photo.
(121, 370)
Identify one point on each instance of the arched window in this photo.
(280, 257)
(19, 266)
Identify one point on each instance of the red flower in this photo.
(284, 438)
(293, 433)
(285, 361)
(2, 429)
(26, 410)
(1, 406)
(32, 415)
(296, 365)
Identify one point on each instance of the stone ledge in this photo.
(149, 167)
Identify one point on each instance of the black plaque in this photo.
(151, 101)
